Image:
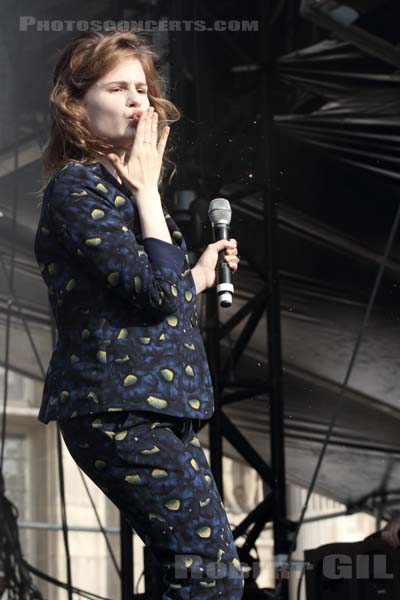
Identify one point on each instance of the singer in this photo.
(128, 380)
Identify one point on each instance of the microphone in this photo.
(220, 214)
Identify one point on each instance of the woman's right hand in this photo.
(141, 167)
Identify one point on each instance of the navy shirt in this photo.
(125, 307)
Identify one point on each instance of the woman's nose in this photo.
(134, 98)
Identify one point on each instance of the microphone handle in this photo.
(224, 283)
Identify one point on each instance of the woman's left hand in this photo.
(208, 261)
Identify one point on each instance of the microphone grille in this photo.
(220, 211)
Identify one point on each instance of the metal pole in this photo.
(126, 559)
(281, 544)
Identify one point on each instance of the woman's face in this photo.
(111, 101)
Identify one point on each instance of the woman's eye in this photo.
(119, 88)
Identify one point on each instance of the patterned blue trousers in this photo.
(154, 469)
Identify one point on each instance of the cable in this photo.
(138, 581)
(64, 512)
(343, 387)
(63, 585)
(299, 584)
(18, 582)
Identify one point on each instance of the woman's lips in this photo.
(136, 116)
(134, 119)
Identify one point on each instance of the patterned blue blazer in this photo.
(124, 307)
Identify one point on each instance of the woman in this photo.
(129, 377)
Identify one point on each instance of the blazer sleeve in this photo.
(89, 225)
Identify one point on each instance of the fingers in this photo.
(232, 262)
(141, 129)
(147, 130)
(163, 140)
(149, 124)
(231, 257)
(221, 244)
(232, 247)
(154, 128)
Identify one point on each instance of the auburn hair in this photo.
(81, 64)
